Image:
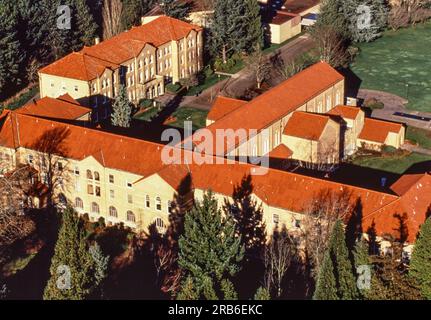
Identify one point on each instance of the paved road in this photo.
(236, 85)
(394, 103)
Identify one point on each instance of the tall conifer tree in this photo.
(72, 266)
(209, 249)
(420, 265)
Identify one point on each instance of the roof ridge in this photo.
(90, 129)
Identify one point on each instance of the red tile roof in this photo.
(223, 106)
(347, 112)
(277, 188)
(410, 209)
(74, 142)
(280, 152)
(378, 130)
(281, 100)
(60, 108)
(306, 125)
(90, 62)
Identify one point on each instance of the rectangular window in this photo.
(129, 198)
(129, 184)
(111, 178)
(97, 191)
(30, 159)
(76, 88)
(76, 171)
(275, 219)
(90, 189)
(111, 194)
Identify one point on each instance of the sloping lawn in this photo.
(399, 63)
(395, 164)
(419, 136)
(197, 116)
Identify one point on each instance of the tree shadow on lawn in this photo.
(29, 283)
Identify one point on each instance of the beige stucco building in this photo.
(142, 59)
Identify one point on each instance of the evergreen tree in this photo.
(251, 22)
(331, 14)
(228, 290)
(420, 265)
(248, 218)
(133, 10)
(72, 267)
(336, 271)
(83, 23)
(101, 263)
(188, 291)
(11, 54)
(326, 286)
(262, 294)
(366, 19)
(236, 28)
(209, 250)
(121, 110)
(175, 9)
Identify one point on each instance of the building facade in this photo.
(142, 59)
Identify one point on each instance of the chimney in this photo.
(96, 40)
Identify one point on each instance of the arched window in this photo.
(96, 176)
(158, 204)
(89, 174)
(113, 212)
(95, 207)
(160, 225)
(79, 204)
(147, 201)
(169, 206)
(131, 216)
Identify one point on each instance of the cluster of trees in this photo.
(362, 272)
(236, 28)
(404, 13)
(342, 22)
(32, 37)
(78, 269)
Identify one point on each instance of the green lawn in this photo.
(197, 116)
(419, 136)
(399, 63)
(148, 115)
(209, 82)
(396, 164)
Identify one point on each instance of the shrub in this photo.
(173, 87)
(373, 103)
(145, 103)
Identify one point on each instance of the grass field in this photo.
(399, 63)
(197, 116)
(419, 136)
(395, 164)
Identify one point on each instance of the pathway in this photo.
(394, 103)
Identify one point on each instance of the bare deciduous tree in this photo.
(259, 65)
(278, 256)
(331, 45)
(111, 14)
(320, 215)
(15, 189)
